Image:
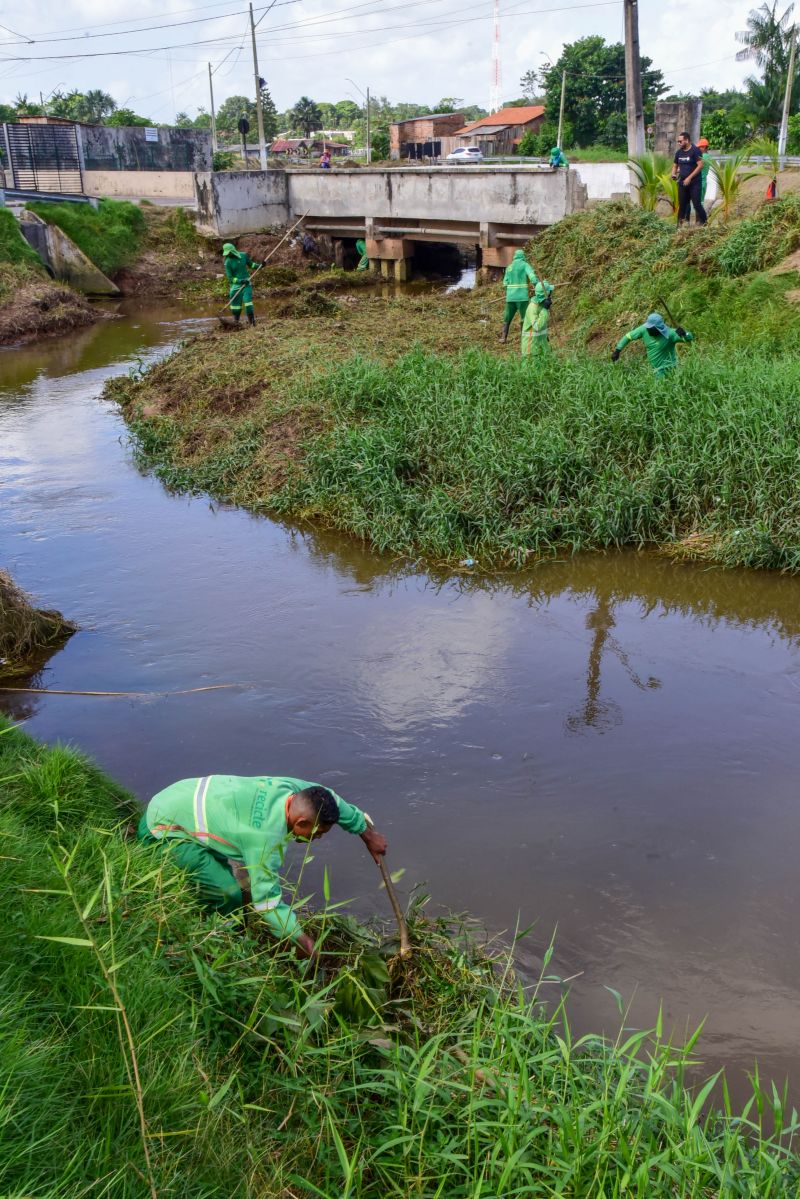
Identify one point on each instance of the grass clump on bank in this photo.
(14, 250)
(110, 235)
(27, 634)
(499, 461)
(148, 1051)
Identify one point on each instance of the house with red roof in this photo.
(501, 132)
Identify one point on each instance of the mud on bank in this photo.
(32, 306)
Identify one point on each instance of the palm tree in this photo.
(648, 169)
(766, 43)
(766, 39)
(306, 116)
(730, 177)
(96, 105)
(669, 190)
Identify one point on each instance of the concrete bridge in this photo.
(494, 209)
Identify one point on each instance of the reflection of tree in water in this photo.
(596, 713)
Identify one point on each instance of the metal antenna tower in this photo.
(495, 89)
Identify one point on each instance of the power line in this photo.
(437, 24)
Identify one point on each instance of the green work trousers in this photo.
(208, 873)
(245, 297)
(512, 308)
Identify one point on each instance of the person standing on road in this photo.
(518, 280)
(535, 341)
(230, 835)
(659, 343)
(238, 265)
(687, 168)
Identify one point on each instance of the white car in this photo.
(466, 154)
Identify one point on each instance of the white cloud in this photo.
(389, 47)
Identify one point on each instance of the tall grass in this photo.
(150, 1052)
(499, 461)
(27, 634)
(110, 234)
(13, 247)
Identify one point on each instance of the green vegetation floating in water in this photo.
(110, 234)
(13, 247)
(149, 1051)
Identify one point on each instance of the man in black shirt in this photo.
(687, 169)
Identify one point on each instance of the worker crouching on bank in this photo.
(221, 826)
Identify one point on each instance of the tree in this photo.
(269, 114)
(25, 107)
(232, 109)
(126, 116)
(449, 104)
(8, 114)
(380, 143)
(595, 86)
(96, 105)
(305, 116)
(183, 121)
(329, 113)
(766, 43)
(529, 85)
(348, 112)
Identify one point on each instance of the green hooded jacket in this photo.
(661, 352)
(519, 273)
(534, 339)
(238, 264)
(243, 819)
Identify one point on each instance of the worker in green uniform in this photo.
(238, 265)
(222, 825)
(659, 342)
(518, 280)
(363, 262)
(535, 341)
(558, 158)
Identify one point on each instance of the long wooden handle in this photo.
(405, 943)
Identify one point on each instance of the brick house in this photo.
(429, 136)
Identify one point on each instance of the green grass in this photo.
(501, 460)
(150, 1052)
(13, 247)
(110, 234)
(621, 263)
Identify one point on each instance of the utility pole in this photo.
(369, 138)
(214, 145)
(787, 99)
(262, 149)
(634, 107)
(561, 111)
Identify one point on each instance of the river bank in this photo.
(215, 1060)
(374, 420)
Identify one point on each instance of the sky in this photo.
(410, 50)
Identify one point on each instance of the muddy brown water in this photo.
(606, 746)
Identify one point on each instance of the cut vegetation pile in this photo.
(28, 634)
(148, 1051)
(30, 304)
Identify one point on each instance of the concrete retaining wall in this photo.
(134, 148)
(143, 185)
(67, 263)
(234, 202)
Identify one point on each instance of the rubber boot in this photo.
(504, 335)
(251, 318)
(237, 316)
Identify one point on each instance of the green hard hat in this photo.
(556, 150)
(229, 248)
